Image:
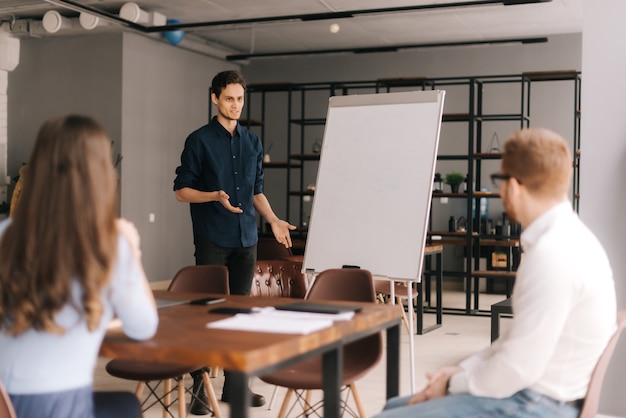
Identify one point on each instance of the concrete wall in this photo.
(165, 97)
(148, 95)
(63, 75)
(603, 158)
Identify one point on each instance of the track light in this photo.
(90, 22)
(133, 13)
(54, 22)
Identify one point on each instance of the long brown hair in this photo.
(63, 230)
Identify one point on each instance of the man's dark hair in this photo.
(221, 80)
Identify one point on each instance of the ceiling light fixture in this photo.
(90, 22)
(390, 48)
(53, 21)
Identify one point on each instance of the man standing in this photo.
(221, 176)
(563, 302)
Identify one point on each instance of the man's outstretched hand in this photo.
(281, 230)
(223, 197)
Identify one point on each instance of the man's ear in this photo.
(214, 98)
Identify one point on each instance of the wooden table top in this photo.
(182, 336)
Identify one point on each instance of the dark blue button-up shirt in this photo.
(214, 160)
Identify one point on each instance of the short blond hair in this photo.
(540, 160)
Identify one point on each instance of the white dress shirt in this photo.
(564, 314)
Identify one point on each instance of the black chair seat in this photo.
(137, 370)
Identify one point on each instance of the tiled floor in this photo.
(458, 337)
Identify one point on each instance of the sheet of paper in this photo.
(278, 322)
(300, 315)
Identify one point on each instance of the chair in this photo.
(278, 278)
(592, 398)
(192, 279)
(270, 249)
(359, 356)
(6, 407)
(401, 290)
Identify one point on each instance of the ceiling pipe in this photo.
(389, 48)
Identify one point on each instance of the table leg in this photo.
(393, 361)
(439, 287)
(495, 325)
(411, 335)
(419, 310)
(240, 398)
(420, 304)
(332, 374)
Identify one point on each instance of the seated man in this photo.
(563, 300)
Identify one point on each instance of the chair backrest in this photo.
(269, 249)
(6, 407)
(343, 284)
(201, 279)
(278, 278)
(354, 285)
(592, 398)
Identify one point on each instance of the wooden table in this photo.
(182, 337)
(429, 251)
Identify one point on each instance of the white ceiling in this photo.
(461, 24)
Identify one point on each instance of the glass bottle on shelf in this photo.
(438, 183)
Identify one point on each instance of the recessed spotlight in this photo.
(334, 27)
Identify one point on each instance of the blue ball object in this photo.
(175, 36)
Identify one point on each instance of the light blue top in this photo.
(40, 362)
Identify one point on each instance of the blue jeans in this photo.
(524, 404)
(77, 403)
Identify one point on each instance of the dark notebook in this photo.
(318, 308)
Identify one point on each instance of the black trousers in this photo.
(239, 261)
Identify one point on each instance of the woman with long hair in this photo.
(68, 266)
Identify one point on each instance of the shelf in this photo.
(488, 155)
(281, 164)
(469, 130)
(455, 117)
(250, 122)
(449, 241)
(486, 194)
(501, 117)
(305, 157)
(309, 122)
(459, 157)
(301, 192)
(402, 82)
(551, 75)
(492, 242)
(446, 194)
(464, 195)
(450, 234)
(500, 274)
